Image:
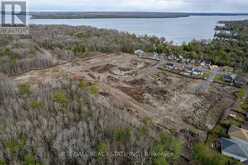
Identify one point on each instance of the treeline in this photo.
(81, 39)
(67, 42)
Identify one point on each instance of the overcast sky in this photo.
(142, 5)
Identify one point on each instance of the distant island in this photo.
(89, 15)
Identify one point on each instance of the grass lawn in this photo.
(219, 78)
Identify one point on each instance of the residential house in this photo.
(237, 149)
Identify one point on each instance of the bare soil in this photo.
(169, 100)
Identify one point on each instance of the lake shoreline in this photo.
(120, 15)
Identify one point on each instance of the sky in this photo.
(141, 5)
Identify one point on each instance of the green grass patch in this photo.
(219, 78)
(203, 155)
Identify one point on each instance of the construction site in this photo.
(171, 101)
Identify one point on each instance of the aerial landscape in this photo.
(124, 83)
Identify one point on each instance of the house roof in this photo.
(238, 133)
(237, 149)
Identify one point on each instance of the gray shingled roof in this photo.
(237, 148)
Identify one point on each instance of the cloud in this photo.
(142, 5)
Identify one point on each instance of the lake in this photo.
(178, 30)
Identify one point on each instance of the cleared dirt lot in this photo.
(169, 100)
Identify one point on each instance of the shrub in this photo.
(205, 156)
(241, 93)
(122, 135)
(93, 90)
(29, 160)
(143, 131)
(83, 85)
(220, 131)
(160, 161)
(244, 105)
(167, 149)
(147, 121)
(14, 145)
(102, 150)
(61, 98)
(36, 105)
(2, 162)
(25, 89)
(79, 50)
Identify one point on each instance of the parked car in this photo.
(239, 82)
(170, 66)
(197, 71)
(229, 78)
